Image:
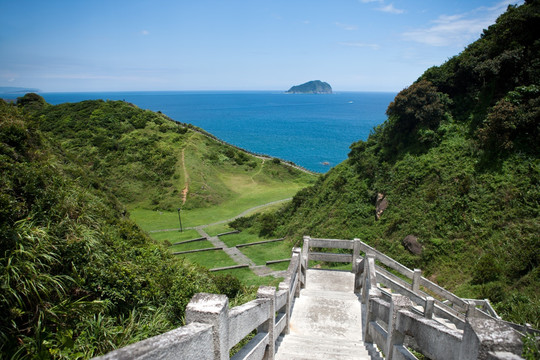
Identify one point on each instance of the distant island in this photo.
(16, 90)
(311, 87)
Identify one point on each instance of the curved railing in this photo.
(398, 315)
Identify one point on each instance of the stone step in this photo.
(301, 347)
(329, 294)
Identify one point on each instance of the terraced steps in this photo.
(326, 321)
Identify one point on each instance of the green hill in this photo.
(152, 162)
(79, 277)
(457, 162)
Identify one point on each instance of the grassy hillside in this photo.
(458, 162)
(79, 278)
(152, 162)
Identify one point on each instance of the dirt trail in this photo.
(186, 179)
(258, 172)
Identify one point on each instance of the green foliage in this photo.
(512, 124)
(78, 277)
(227, 284)
(531, 348)
(414, 115)
(458, 162)
(147, 159)
(31, 102)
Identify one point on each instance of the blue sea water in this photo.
(314, 131)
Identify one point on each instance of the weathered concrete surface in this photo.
(184, 340)
(326, 321)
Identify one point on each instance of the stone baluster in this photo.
(305, 259)
(395, 337)
(428, 310)
(212, 309)
(269, 292)
(356, 253)
(489, 339)
(417, 274)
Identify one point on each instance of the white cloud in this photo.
(145, 32)
(391, 9)
(359, 44)
(458, 29)
(347, 26)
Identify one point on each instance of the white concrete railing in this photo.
(397, 316)
(213, 329)
(401, 314)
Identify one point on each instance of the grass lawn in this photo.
(203, 244)
(158, 220)
(249, 278)
(240, 238)
(270, 251)
(210, 259)
(217, 229)
(279, 266)
(175, 236)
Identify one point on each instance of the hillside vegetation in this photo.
(458, 163)
(79, 277)
(152, 162)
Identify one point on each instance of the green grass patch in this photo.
(270, 251)
(249, 278)
(210, 259)
(279, 266)
(248, 198)
(203, 244)
(240, 238)
(213, 230)
(174, 236)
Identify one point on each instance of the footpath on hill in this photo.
(236, 255)
(242, 214)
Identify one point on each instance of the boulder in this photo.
(411, 243)
(380, 205)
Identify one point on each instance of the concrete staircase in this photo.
(326, 321)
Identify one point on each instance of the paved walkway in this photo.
(326, 321)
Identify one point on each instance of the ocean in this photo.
(314, 131)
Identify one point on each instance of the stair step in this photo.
(300, 347)
(329, 294)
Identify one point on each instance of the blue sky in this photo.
(135, 45)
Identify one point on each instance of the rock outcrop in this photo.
(411, 243)
(380, 205)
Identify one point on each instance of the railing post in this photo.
(305, 259)
(212, 309)
(471, 309)
(369, 289)
(395, 337)
(482, 338)
(358, 270)
(269, 292)
(356, 253)
(416, 280)
(370, 278)
(428, 310)
(298, 253)
(288, 305)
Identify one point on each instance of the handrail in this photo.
(213, 329)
